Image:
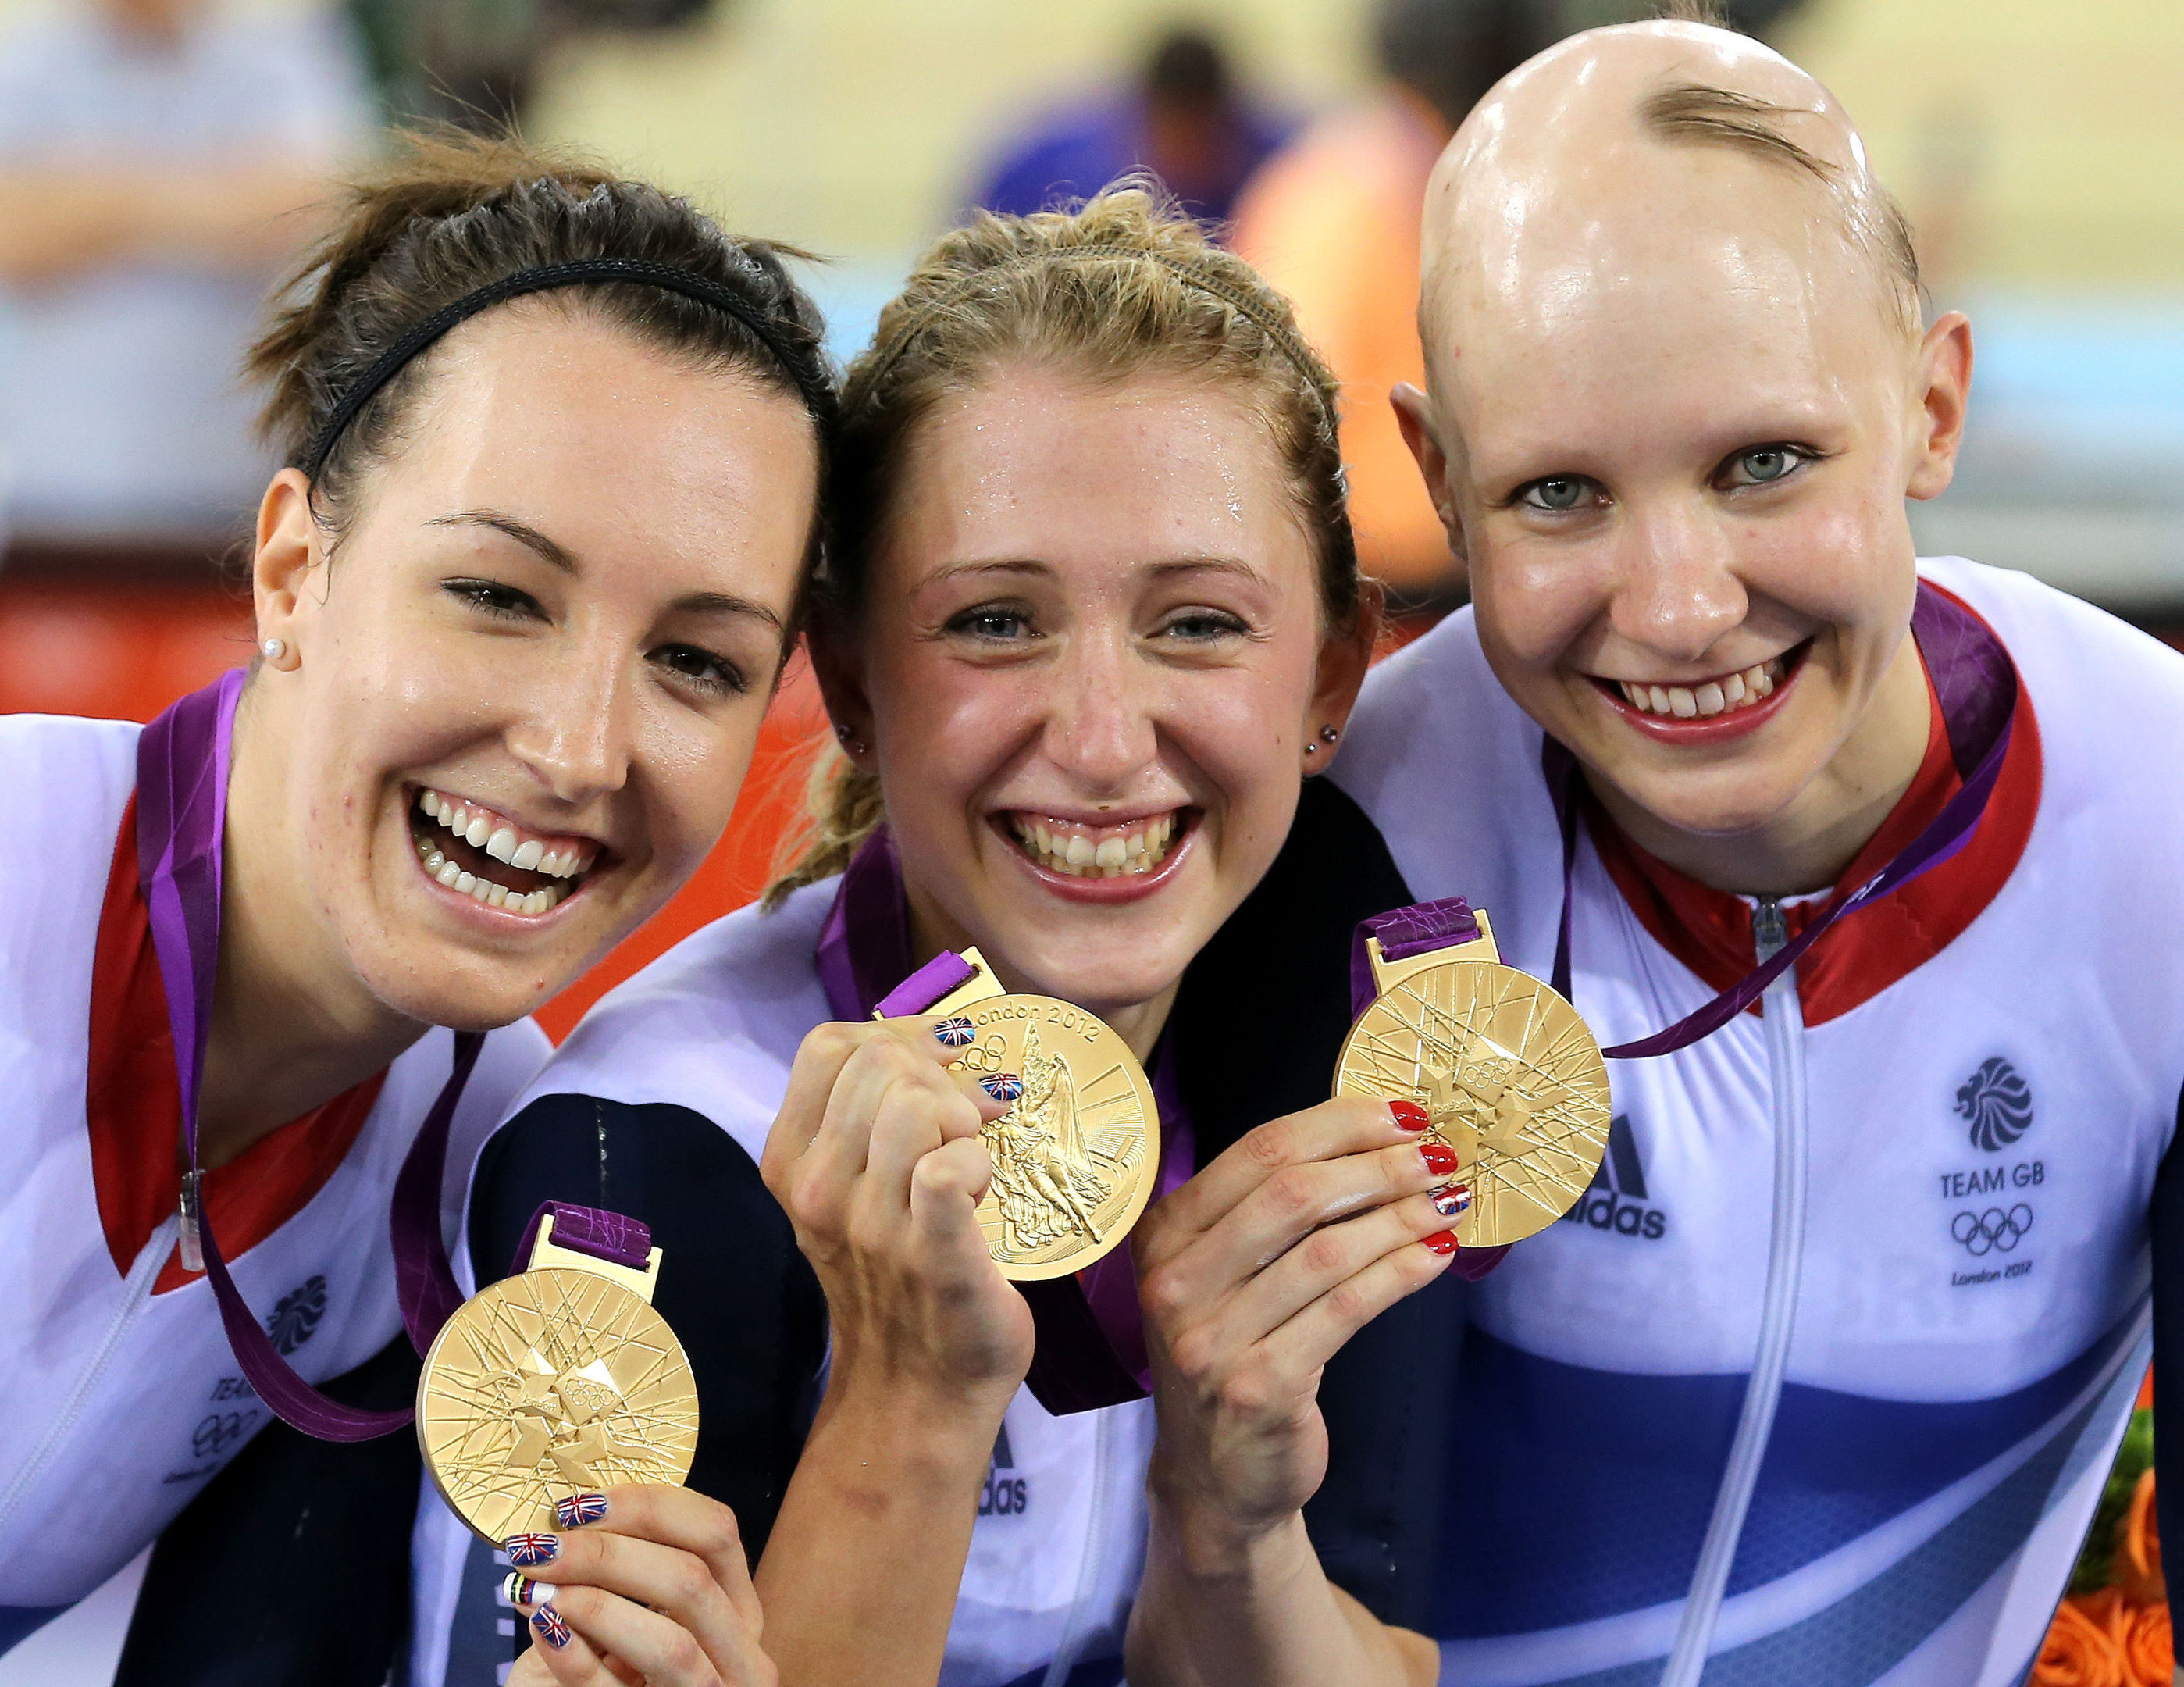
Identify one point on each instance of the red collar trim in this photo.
(133, 1105)
(1862, 953)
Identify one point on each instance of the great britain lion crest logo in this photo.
(1998, 1102)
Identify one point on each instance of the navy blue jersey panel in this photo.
(242, 1589)
(732, 1286)
(1578, 1494)
(1258, 1026)
(1839, 1464)
(1574, 1493)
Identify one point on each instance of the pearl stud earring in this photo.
(275, 649)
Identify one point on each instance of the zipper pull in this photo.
(1769, 932)
(193, 1247)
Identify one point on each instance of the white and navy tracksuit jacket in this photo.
(1981, 1137)
(663, 1098)
(122, 1404)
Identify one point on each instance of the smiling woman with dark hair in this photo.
(522, 592)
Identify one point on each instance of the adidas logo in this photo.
(1617, 1198)
(1004, 1495)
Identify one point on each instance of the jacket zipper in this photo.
(1784, 1029)
(134, 1291)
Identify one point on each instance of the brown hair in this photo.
(450, 214)
(1123, 288)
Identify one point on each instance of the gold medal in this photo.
(561, 1381)
(1511, 1077)
(1076, 1154)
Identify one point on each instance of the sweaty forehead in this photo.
(1562, 198)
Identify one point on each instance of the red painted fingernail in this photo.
(1410, 1116)
(1440, 1158)
(1442, 1242)
(1452, 1199)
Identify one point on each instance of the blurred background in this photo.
(158, 159)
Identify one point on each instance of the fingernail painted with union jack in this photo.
(1002, 1086)
(553, 1627)
(576, 1510)
(955, 1033)
(520, 1589)
(527, 1551)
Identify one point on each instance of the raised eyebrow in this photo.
(522, 532)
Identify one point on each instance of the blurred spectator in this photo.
(156, 158)
(1333, 220)
(1185, 121)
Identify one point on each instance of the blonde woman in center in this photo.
(1091, 615)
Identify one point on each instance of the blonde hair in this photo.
(1123, 288)
(1698, 113)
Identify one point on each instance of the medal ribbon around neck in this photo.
(1976, 685)
(182, 761)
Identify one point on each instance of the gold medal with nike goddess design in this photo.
(1511, 1077)
(1076, 1154)
(560, 1382)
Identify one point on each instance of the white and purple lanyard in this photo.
(182, 805)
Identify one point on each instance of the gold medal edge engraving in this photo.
(1490, 1169)
(1034, 1011)
(448, 1411)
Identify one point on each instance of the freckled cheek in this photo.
(1240, 734)
(949, 730)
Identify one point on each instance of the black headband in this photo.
(819, 400)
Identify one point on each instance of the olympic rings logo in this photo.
(1993, 1231)
(989, 1055)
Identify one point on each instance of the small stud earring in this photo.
(275, 649)
(1327, 735)
(856, 747)
(1311, 749)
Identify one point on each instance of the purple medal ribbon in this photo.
(181, 805)
(1404, 932)
(603, 1235)
(1091, 1346)
(1976, 683)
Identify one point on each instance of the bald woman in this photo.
(1866, 867)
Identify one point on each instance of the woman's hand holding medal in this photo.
(1252, 1275)
(877, 1159)
(876, 1156)
(642, 1584)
